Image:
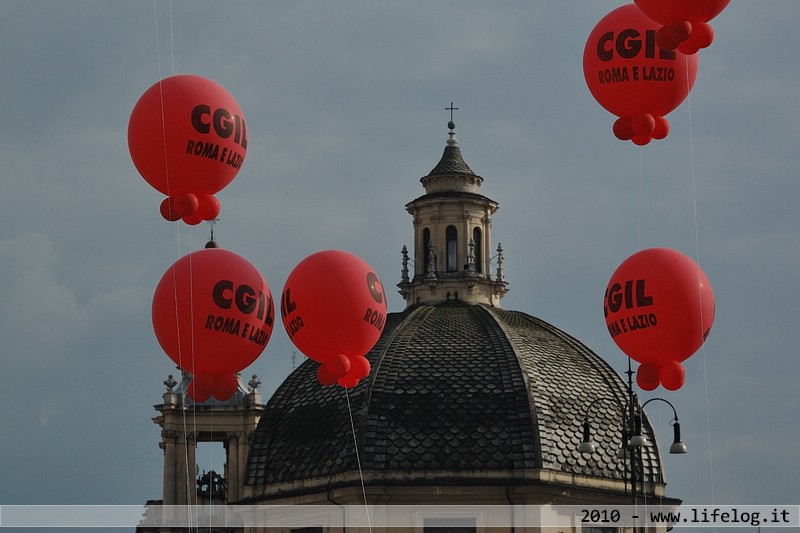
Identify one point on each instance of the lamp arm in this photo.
(674, 412)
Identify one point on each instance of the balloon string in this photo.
(639, 202)
(358, 458)
(697, 254)
(171, 39)
(188, 469)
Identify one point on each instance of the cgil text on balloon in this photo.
(212, 151)
(628, 44)
(246, 299)
(632, 323)
(234, 326)
(633, 294)
(294, 325)
(621, 74)
(374, 318)
(224, 123)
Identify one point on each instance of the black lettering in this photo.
(243, 142)
(287, 305)
(375, 288)
(642, 299)
(197, 118)
(650, 43)
(295, 325)
(628, 294)
(270, 314)
(222, 123)
(614, 298)
(603, 52)
(628, 44)
(211, 150)
(231, 326)
(217, 293)
(246, 300)
(374, 318)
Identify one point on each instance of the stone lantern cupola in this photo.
(452, 237)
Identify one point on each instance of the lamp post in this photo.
(632, 439)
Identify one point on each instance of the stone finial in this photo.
(254, 383)
(404, 275)
(500, 275)
(501, 285)
(170, 383)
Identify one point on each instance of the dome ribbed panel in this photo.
(305, 431)
(449, 395)
(564, 377)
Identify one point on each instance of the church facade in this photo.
(467, 405)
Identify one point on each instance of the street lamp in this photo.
(637, 440)
(632, 439)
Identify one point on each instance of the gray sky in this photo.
(345, 108)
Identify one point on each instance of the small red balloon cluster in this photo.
(333, 307)
(640, 62)
(188, 139)
(659, 308)
(684, 22)
(213, 312)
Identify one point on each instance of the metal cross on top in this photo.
(451, 109)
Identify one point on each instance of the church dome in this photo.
(458, 394)
(462, 395)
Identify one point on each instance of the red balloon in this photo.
(168, 210)
(662, 128)
(659, 306)
(337, 365)
(213, 312)
(201, 387)
(325, 377)
(348, 382)
(359, 367)
(192, 220)
(333, 303)
(647, 376)
(672, 375)
(225, 386)
(208, 206)
(684, 21)
(187, 134)
(632, 77)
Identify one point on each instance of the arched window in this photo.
(478, 242)
(426, 244)
(451, 241)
